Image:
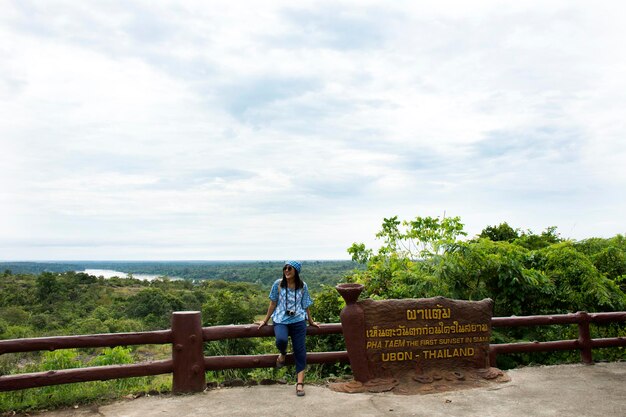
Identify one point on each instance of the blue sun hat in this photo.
(296, 265)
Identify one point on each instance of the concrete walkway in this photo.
(564, 391)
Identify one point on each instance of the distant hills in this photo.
(262, 272)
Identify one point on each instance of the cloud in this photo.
(167, 130)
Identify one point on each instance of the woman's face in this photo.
(289, 272)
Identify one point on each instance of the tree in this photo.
(14, 315)
(531, 240)
(49, 288)
(533, 274)
(227, 307)
(154, 306)
(579, 284)
(611, 261)
(500, 233)
(403, 266)
(499, 270)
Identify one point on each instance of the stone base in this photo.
(426, 382)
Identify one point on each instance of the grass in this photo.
(68, 395)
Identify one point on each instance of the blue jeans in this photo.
(297, 331)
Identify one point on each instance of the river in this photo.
(109, 273)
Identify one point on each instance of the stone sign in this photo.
(417, 341)
(425, 334)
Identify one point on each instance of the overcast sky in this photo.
(290, 129)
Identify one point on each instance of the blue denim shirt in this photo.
(288, 299)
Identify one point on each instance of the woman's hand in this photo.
(314, 324)
(261, 324)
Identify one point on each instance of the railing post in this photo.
(187, 354)
(584, 337)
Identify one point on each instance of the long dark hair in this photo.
(299, 283)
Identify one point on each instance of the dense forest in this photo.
(69, 302)
(35, 301)
(525, 273)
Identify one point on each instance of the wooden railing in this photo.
(188, 364)
(584, 343)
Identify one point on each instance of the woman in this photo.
(289, 310)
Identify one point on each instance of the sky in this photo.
(194, 130)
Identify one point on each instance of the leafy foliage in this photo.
(67, 303)
(523, 272)
(500, 233)
(74, 394)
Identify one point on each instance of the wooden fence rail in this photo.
(188, 365)
(584, 343)
(158, 337)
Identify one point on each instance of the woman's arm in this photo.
(311, 321)
(270, 310)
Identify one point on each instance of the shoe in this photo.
(300, 393)
(280, 361)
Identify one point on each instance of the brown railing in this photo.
(584, 343)
(188, 364)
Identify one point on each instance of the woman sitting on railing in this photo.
(289, 310)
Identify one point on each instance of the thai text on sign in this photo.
(428, 333)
